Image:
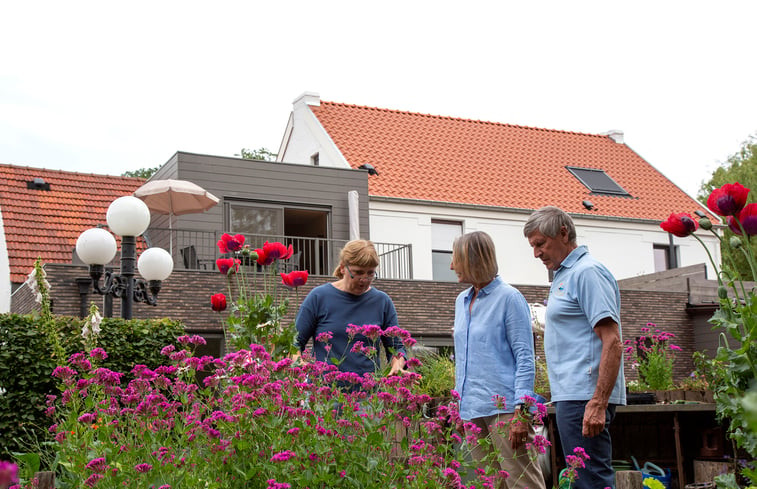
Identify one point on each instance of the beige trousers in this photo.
(522, 464)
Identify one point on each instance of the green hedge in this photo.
(27, 361)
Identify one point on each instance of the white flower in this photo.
(92, 324)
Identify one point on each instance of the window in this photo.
(662, 258)
(443, 233)
(597, 181)
(315, 160)
(305, 228)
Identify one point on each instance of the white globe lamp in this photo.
(96, 246)
(128, 216)
(155, 264)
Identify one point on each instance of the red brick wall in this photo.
(425, 308)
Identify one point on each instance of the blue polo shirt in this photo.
(583, 292)
(494, 349)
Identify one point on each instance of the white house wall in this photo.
(626, 248)
(305, 137)
(5, 271)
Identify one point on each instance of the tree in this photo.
(258, 154)
(141, 173)
(740, 167)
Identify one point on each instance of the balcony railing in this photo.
(319, 256)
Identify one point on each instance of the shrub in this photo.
(27, 361)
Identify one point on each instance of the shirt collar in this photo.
(574, 256)
(486, 290)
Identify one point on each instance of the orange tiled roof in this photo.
(46, 223)
(444, 159)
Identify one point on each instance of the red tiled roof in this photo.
(444, 159)
(46, 223)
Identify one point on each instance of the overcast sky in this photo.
(106, 87)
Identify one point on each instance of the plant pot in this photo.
(640, 398)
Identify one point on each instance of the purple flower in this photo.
(97, 465)
(8, 473)
(92, 480)
(98, 354)
(282, 456)
(142, 468)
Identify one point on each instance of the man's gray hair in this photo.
(548, 221)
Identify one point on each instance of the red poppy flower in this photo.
(263, 259)
(681, 224)
(226, 264)
(728, 200)
(294, 279)
(229, 243)
(748, 218)
(277, 250)
(218, 302)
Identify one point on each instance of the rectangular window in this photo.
(252, 219)
(662, 258)
(597, 181)
(315, 160)
(443, 233)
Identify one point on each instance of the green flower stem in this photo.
(718, 273)
(748, 252)
(709, 255)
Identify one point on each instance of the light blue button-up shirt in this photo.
(494, 349)
(583, 292)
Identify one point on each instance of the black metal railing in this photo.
(319, 256)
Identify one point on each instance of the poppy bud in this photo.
(722, 292)
(705, 224)
(218, 302)
(735, 242)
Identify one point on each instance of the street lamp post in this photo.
(128, 217)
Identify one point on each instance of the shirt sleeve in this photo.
(306, 321)
(597, 296)
(521, 340)
(392, 345)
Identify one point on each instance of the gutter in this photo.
(515, 210)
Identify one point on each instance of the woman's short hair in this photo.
(548, 221)
(358, 252)
(475, 257)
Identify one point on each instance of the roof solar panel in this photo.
(597, 181)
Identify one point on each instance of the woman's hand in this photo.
(518, 434)
(396, 365)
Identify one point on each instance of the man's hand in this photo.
(594, 418)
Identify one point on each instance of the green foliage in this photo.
(437, 375)
(261, 153)
(141, 173)
(259, 420)
(734, 370)
(27, 359)
(257, 310)
(740, 167)
(653, 358)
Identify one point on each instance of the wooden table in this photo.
(674, 411)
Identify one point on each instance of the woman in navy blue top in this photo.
(351, 300)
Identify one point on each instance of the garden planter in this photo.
(640, 398)
(679, 395)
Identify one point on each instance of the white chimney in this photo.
(307, 98)
(615, 134)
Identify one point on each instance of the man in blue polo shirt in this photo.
(582, 343)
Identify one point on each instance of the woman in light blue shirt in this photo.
(494, 363)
